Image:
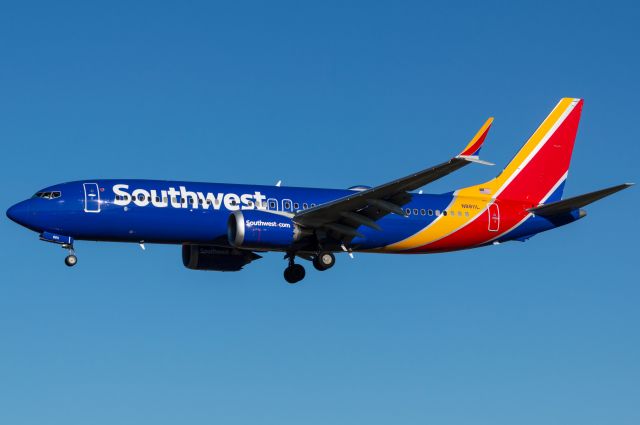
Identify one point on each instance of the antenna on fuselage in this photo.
(347, 250)
(279, 183)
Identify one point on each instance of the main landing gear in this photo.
(324, 261)
(294, 273)
(71, 259)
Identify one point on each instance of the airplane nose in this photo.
(19, 212)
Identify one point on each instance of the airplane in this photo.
(224, 227)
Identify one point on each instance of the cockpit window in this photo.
(48, 195)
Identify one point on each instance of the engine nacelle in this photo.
(206, 257)
(258, 229)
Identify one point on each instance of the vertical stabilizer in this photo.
(538, 171)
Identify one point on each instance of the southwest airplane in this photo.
(223, 226)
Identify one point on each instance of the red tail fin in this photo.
(539, 169)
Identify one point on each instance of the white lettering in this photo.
(160, 202)
(247, 203)
(251, 223)
(118, 190)
(184, 198)
(188, 198)
(210, 199)
(140, 197)
(231, 201)
(173, 197)
(260, 200)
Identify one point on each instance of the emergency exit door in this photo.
(494, 217)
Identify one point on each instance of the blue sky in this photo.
(329, 94)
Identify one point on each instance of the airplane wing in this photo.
(343, 216)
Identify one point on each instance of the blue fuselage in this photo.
(158, 211)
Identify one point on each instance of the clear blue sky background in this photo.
(330, 94)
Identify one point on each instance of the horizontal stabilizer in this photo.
(568, 205)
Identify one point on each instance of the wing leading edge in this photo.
(343, 216)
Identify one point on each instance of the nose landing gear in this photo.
(71, 259)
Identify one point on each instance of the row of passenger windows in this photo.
(47, 195)
(430, 212)
(271, 204)
(286, 204)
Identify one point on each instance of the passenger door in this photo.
(91, 197)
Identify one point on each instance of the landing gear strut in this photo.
(294, 273)
(71, 259)
(324, 261)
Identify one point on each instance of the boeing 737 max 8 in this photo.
(226, 226)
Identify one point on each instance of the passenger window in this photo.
(437, 213)
(296, 205)
(287, 205)
(444, 213)
(423, 212)
(430, 212)
(415, 211)
(305, 206)
(466, 213)
(408, 211)
(459, 213)
(313, 205)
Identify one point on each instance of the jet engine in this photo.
(206, 257)
(258, 229)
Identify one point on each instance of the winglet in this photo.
(474, 146)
